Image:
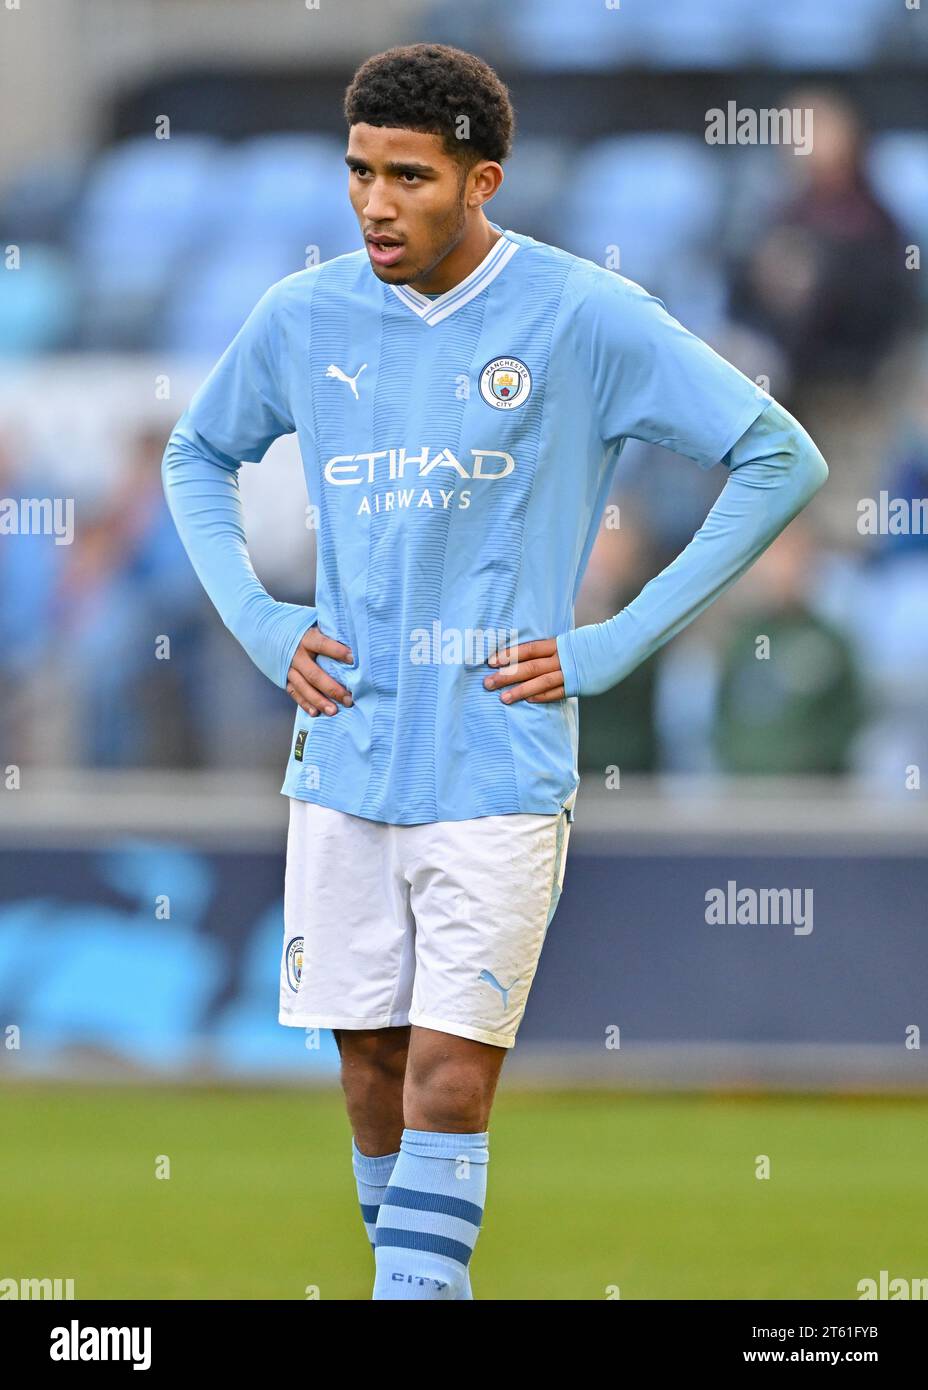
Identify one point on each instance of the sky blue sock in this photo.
(430, 1216)
(372, 1174)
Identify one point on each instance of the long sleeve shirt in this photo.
(460, 450)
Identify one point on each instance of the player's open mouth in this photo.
(385, 250)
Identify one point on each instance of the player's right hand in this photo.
(313, 690)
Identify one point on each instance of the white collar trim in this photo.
(432, 311)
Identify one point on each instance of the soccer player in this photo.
(461, 396)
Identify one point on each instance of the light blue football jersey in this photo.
(459, 450)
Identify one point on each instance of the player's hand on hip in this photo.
(312, 689)
(528, 671)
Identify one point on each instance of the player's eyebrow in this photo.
(392, 167)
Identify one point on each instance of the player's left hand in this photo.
(528, 671)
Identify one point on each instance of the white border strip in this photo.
(432, 311)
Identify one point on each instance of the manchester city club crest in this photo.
(505, 383)
(294, 962)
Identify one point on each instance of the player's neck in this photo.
(473, 248)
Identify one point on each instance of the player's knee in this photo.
(447, 1095)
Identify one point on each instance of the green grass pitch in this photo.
(588, 1192)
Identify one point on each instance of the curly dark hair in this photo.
(428, 87)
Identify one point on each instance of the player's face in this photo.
(410, 199)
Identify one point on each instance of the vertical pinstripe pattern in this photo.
(331, 341)
(406, 560)
(437, 567)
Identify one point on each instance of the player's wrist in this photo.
(271, 634)
(568, 661)
(295, 619)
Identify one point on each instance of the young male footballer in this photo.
(461, 396)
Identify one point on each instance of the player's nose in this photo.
(379, 208)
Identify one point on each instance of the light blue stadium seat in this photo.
(897, 162)
(271, 198)
(211, 300)
(40, 303)
(143, 210)
(588, 35)
(38, 203)
(293, 188)
(654, 196)
(529, 200)
(585, 36)
(807, 34)
(681, 34)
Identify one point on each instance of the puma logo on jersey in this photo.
(337, 374)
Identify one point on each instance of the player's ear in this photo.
(485, 179)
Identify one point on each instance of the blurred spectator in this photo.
(907, 479)
(827, 282)
(127, 586)
(789, 696)
(883, 605)
(29, 570)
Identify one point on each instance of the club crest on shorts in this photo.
(505, 383)
(294, 962)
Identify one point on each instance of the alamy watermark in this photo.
(457, 646)
(892, 516)
(84, 1343)
(38, 516)
(744, 125)
(35, 1289)
(732, 906)
(888, 1288)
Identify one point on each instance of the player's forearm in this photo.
(202, 490)
(775, 470)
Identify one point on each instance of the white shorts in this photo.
(439, 925)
